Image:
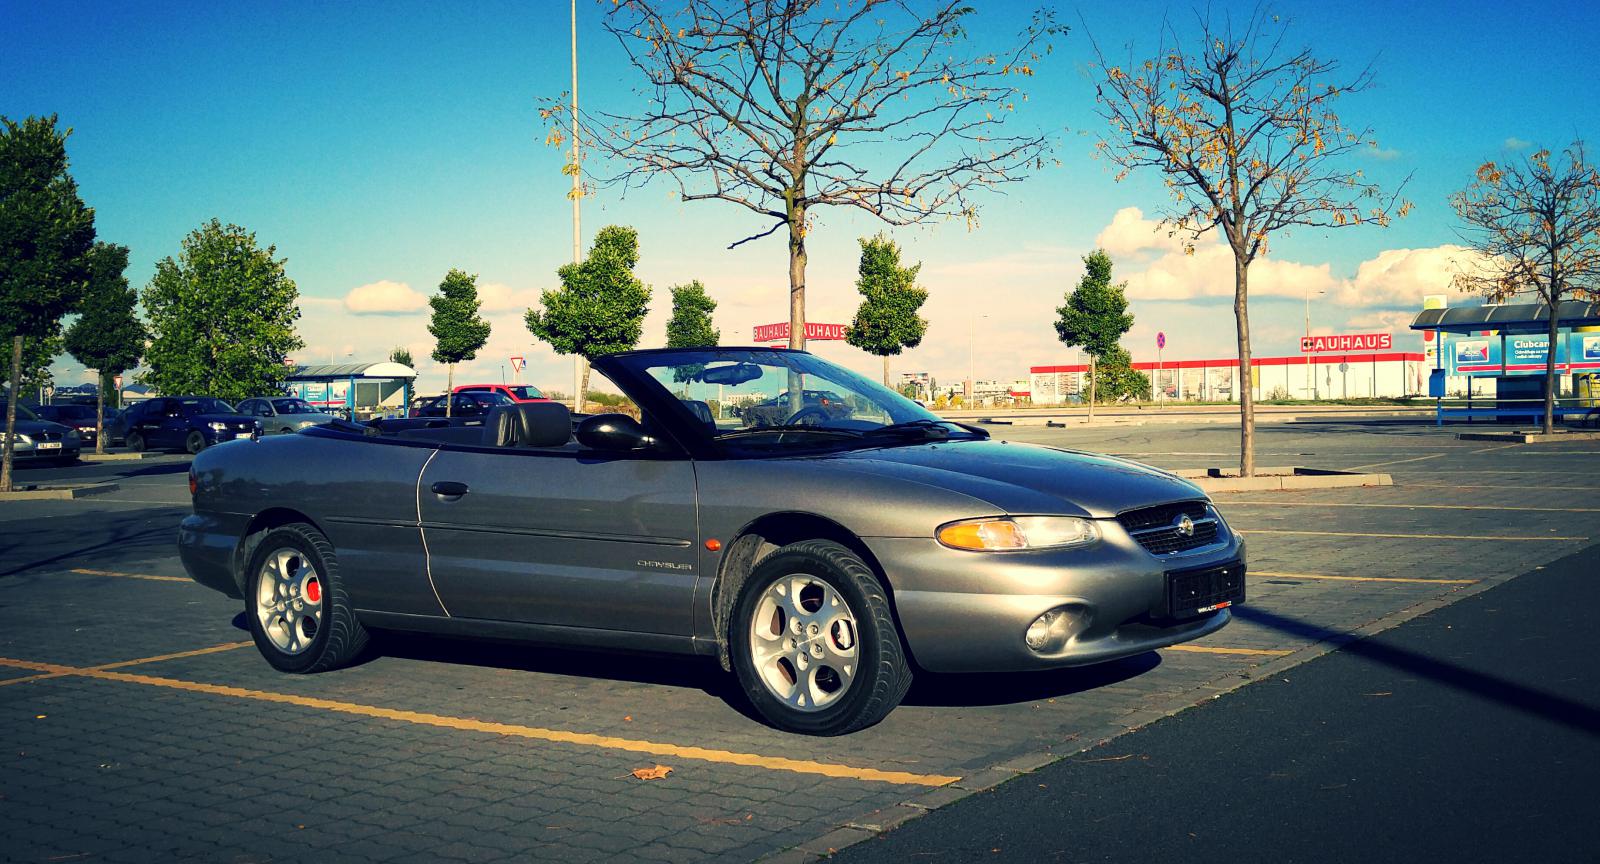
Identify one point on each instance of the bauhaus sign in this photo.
(1346, 342)
(777, 332)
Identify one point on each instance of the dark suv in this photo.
(190, 423)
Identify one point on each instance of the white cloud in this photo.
(1130, 234)
(500, 297)
(1515, 143)
(1401, 277)
(1396, 320)
(384, 298)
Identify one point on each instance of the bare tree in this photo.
(1536, 228)
(784, 106)
(1244, 133)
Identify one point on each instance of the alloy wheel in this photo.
(289, 600)
(804, 642)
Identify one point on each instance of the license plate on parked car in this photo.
(49, 445)
(1204, 589)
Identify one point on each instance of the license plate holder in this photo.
(48, 445)
(1198, 591)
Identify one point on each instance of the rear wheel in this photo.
(135, 442)
(814, 642)
(195, 442)
(296, 605)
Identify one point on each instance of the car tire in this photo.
(817, 592)
(135, 442)
(194, 442)
(295, 603)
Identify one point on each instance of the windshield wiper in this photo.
(788, 427)
(927, 428)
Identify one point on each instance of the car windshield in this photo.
(488, 397)
(23, 413)
(789, 399)
(203, 405)
(525, 391)
(294, 406)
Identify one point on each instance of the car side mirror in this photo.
(612, 432)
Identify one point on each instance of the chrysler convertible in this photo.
(821, 555)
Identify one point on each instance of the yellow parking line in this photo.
(1361, 578)
(1404, 536)
(85, 572)
(214, 649)
(1418, 506)
(722, 757)
(1398, 461)
(1206, 649)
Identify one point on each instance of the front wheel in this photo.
(296, 605)
(135, 442)
(814, 643)
(195, 442)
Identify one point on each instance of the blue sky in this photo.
(386, 143)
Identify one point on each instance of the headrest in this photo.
(700, 410)
(528, 424)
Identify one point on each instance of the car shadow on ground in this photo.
(131, 538)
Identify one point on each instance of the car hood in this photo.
(32, 427)
(1027, 478)
(230, 419)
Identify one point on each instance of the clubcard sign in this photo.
(1346, 342)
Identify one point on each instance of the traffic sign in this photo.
(517, 363)
(1161, 339)
(117, 380)
(1344, 367)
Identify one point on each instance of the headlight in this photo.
(23, 439)
(1021, 532)
(218, 427)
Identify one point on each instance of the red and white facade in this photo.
(1327, 375)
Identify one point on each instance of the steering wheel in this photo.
(811, 415)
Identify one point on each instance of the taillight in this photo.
(194, 483)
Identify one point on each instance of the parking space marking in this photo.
(123, 664)
(119, 575)
(1398, 461)
(1501, 486)
(1206, 649)
(1416, 506)
(463, 724)
(1277, 575)
(1410, 536)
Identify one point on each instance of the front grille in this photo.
(49, 436)
(1156, 528)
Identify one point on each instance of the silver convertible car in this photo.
(821, 555)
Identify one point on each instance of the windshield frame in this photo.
(630, 372)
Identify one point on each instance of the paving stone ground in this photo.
(172, 764)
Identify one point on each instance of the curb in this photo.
(878, 822)
(115, 457)
(1528, 437)
(1280, 478)
(57, 493)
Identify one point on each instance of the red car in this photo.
(514, 392)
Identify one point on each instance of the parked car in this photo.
(475, 404)
(515, 392)
(815, 404)
(280, 415)
(821, 561)
(40, 440)
(79, 417)
(190, 423)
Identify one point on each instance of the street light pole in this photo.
(1311, 379)
(577, 195)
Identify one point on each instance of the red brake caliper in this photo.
(314, 591)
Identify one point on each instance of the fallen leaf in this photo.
(657, 773)
(629, 718)
(39, 716)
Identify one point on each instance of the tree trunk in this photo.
(886, 370)
(449, 388)
(797, 300)
(11, 414)
(1247, 405)
(1550, 367)
(583, 383)
(100, 414)
(1091, 388)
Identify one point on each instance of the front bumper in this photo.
(31, 453)
(969, 611)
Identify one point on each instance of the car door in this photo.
(146, 419)
(568, 538)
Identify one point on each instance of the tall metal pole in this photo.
(577, 196)
(1308, 336)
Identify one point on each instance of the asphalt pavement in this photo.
(1471, 733)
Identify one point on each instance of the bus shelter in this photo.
(354, 390)
(1490, 361)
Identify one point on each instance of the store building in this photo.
(1329, 375)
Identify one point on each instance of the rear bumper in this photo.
(969, 612)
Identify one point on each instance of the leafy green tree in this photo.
(1095, 315)
(690, 325)
(107, 337)
(401, 355)
(600, 306)
(222, 317)
(1116, 379)
(457, 329)
(37, 356)
(45, 234)
(887, 321)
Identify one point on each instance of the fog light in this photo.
(1038, 635)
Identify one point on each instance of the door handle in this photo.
(450, 489)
